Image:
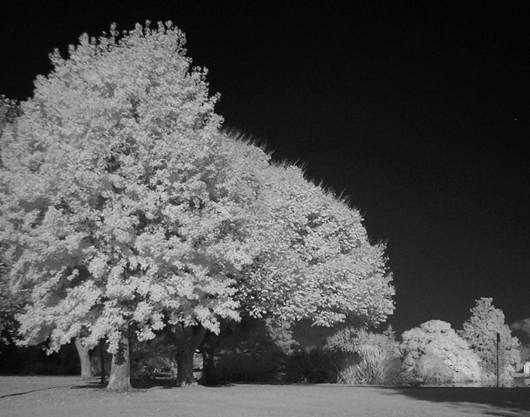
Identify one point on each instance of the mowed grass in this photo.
(73, 397)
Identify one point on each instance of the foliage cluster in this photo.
(126, 211)
(128, 215)
(436, 354)
(432, 353)
(480, 331)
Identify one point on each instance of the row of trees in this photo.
(432, 353)
(257, 350)
(126, 212)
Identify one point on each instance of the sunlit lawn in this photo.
(71, 396)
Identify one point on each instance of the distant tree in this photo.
(521, 330)
(435, 353)
(480, 331)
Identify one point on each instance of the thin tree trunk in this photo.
(185, 366)
(84, 359)
(187, 339)
(120, 370)
(209, 376)
(102, 362)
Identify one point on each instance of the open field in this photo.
(71, 396)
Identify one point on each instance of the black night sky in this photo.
(420, 114)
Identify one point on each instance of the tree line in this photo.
(130, 219)
(127, 212)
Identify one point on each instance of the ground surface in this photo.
(73, 397)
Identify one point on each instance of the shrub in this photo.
(436, 354)
(363, 357)
(431, 369)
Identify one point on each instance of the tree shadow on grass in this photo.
(141, 384)
(502, 402)
(153, 383)
(89, 384)
(135, 383)
(16, 394)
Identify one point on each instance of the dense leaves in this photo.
(121, 201)
(435, 353)
(125, 207)
(480, 331)
(319, 263)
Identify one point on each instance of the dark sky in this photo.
(420, 114)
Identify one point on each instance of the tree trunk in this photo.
(185, 366)
(187, 339)
(209, 375)
(120, 369)
(102, 362)
(84, 359)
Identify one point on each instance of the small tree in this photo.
(480, 331)
(435, 353)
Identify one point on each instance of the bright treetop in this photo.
(123, 206)
(436, 353)
(317, 261)
(480, 331)
(121, 202)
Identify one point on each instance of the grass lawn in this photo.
(48, 396)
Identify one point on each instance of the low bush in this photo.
(434, 353)
(362, 357)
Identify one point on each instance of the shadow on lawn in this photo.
(89, 384)
(135, 383)
(16, 394)
(492, 401)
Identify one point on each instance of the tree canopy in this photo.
(434, 350)
(480, 331)
(125, 207)
(317, 261)
(122, 201)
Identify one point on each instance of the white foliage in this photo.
(122, 203)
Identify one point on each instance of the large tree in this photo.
(123, 207)
(125, 210)
(480, 331)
